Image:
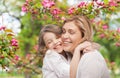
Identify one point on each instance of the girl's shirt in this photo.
(56, 65)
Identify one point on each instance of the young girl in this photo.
(56, 63)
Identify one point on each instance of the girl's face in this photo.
(71, 36)
(53, 42)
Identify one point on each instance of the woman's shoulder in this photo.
(93, 55)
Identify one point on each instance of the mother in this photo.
(76, 30)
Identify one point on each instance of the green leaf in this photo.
(38, 5)
(106, 1)
(5, 54)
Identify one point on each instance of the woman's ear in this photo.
(82, 40)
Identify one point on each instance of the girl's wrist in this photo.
(77, 50)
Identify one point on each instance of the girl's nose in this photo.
(55, 41)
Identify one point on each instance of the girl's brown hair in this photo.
(47, 28)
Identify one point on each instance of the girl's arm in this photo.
(74, 64)
(76, 57)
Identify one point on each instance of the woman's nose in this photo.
(65, 35)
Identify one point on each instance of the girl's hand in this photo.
(85, 47)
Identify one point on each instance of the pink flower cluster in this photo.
(25, 6)
(14, 42)
(71, 10)
(81, 4)
(2, 28)
(99, 3)
(24, 9)
(47, 3)
(105, 27)
(56, 11)
(112, 3)
(16, 57)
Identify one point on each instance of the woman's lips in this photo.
(66, 42)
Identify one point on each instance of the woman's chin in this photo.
(67, 49)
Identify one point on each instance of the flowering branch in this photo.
(8, 46)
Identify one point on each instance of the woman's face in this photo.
(53, 42)
(71, 36)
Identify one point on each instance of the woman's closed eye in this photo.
(71, 31)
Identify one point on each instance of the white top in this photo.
(92, 65)
(55, 65)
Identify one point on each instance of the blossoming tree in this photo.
(41, 12)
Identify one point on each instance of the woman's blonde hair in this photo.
(47, 28)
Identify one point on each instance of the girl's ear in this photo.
(46, 47)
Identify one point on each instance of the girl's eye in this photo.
(48, 42)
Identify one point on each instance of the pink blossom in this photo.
(118, 30)
(71, 10)
(47, 3)
(112, 3)
(102, 35)
(16, 57)
(105, 26)
(63, 18)
(117, 44)
(14, 42)
(36, 47)
(24, 9)
(2, 28)
(81, 4)
(56, 11)
(99, 3)
(28, 56)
